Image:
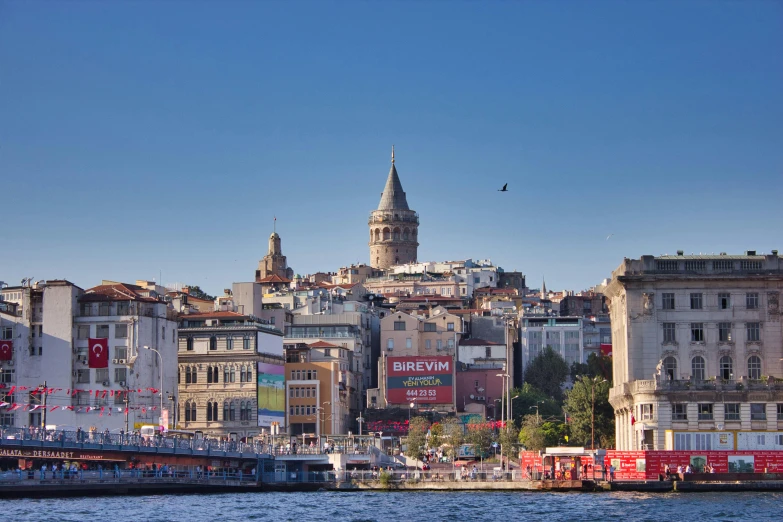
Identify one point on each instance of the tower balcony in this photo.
(378, 217)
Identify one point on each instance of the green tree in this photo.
(417, 438)
(482, 437)
(530, 400)
(596, 366)
(436, 435)
(198, 293)
(547, 372)
(537, 434)
(579, 405)
(454, 435)
(508, 438)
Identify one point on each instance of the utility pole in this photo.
(43, 417)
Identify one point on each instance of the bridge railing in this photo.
(64, 476)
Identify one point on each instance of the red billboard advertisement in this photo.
(419, 380)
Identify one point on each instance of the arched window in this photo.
(229, 342)
(726, 368)
(396, 233)
(754, 367)
(406, 234)
(189, 344)
(226, 374)
(209, 411)
(377, 234)
(209, 376)
(178, 375)
(193, 376)
(697, 368)
(233, 374)
(225, 410)
(233, 410)
(190, 411)
(386, 234)
(242, 411)
(670, 368)
(215, 374)
(213, 343)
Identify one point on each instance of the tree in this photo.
(198, 293)
(547, 372)
(454, 434)
(596, 366)
(481, 436)
(537, 434)
(417, 438)
(530, 400)
(579, 405)
(508, 438)
(436, 435)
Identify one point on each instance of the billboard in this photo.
(419, 380)
(271, 394)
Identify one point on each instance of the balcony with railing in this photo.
(399, 216)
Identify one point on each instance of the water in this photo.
(382, 507)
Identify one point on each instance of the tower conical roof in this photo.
(393, 197)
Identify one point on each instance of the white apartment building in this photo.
(697, 349)
(50, 328)
(564, 335)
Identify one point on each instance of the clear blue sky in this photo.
(140, 137)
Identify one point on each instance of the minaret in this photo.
(543, 289)
(394, 228)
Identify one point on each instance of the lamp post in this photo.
(593, 382)
(506, 393)
(45, 392)
(412, 404)
(537, 416)
(160, 419)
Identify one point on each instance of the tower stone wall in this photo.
(394, 228)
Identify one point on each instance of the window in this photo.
(669, 333)
(409, 343)
(697, 368)
(101, 374)
(724, 301)
(82, 376)
(246, 343)
(120, 352)
(668, 301)
(724, 332)
(697, 332)
(752, 301)
(229, 343)
(723, 266)
(212, 411)
(190, 411)
(754, 332)
(120, 375)
(327, 352)
(430, 327)
(758, 411)
(666, 266)
(696, 299)
(102, 331)
(85, 309)
(450, 343)
(209, 376)
(679, 412)
(163, 332)
(123, 308)
(390, 344)
(213, 343)
(427, 344)
(731, 411)
(189, 344)
(754, 367)
(121, 331)
(705, 411)
(750, 265)
(647, 411)
(440, 345)
(726, 368)
(670, 368)
(780, 411)
(399, 325)
(194, 376)
(450, 327)
(83, 332)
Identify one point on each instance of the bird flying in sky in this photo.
(610, 235)
(504, 189)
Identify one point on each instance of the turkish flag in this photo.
(99, 353)
(6, 350)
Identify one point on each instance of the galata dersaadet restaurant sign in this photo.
(419, 380)
(46, 454)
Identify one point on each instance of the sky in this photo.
(158, 140)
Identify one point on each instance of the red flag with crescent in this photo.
(98, 353)
(6, 350)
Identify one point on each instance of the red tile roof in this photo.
(323, 344)
(117, 292)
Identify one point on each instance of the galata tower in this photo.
(394, 228)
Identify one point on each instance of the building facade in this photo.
(218, 376)
(394, 227)
(696, 343)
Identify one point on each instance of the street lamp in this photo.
(412, 404)
(593, 382)
(160, 420)
(506, 378)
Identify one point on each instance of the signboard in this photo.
(419, 380)
(60, 455)
(271, 394)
